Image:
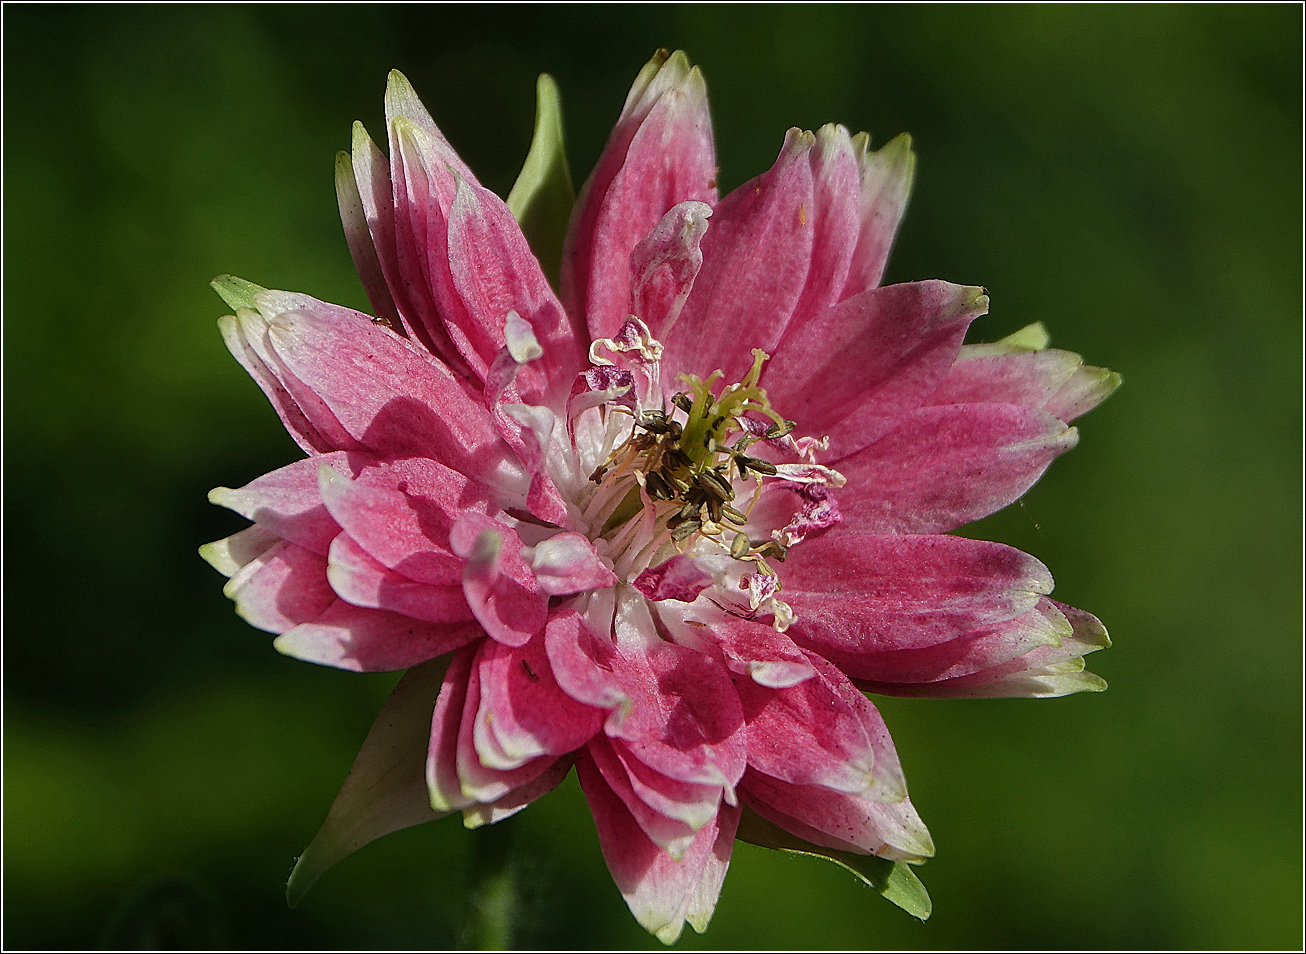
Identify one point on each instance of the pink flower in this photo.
(670, 523)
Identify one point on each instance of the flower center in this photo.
(676, 476)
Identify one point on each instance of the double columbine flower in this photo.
(671, 524)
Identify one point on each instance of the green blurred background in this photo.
(1129, 175)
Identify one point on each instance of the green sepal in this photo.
(895, 880)
(236, 292)
(1033, 337)
(386, 788)
(543, 195)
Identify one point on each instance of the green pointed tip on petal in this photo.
(359, 138)
(396, 84)
(1033, 337)
(236, 292)
(894, 880)
(543, 195)
(216, 556)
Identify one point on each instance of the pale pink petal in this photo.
(498, 583)
(969, 652)
(862, 592)
(442, 783)
(581, 661)
(948, 466)
(1027, 378)
(670, 834)
(478, 814)
(523, 709)
(567, 563)
(822, 732)
(664, 265)
(1045, 671)
(361, 579)
(859, 368)
(756, 258)
(680, 577)
(1087, 388)
(280, 588)
(369, 640)
(231, 553)
(287, 501)
(839, 820)
(394, 398)
(358, 233)
(660, 154)
(405, 530)
(662, 892)
(494, 272)
(886, 183)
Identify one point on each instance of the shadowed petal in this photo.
(369, 640)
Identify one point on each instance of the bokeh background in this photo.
(1129, 175)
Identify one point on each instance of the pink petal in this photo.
(402, 513)
(1043, 672)
(886, 182)
(1027, 378)
(494, 272)
(755, 649)
(231, 553)
(582, 661)
(360, 579)
(567, 563)
(499, 585)
(838, 820)
(358, 234)
(971, 651)
(861, 592)
(660, 154)
(678, 578)
(280, 588)
(756, 259)
(670, 834)
(394, 398)
(1087, 388)
(859, 368)
(662, 892)
(475, 815)
(947, 466)
(523, 709)
(369, 640)
(821, 732)
(663, 265)
(287, 501)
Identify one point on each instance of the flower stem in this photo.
(494, 890)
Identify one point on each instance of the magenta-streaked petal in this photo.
(861, 592)
(499, 585)
(581, 661)
(660, 153)
(835, 220)
(523, 710)
(680, 577)
(821, 732)
(943, 467)
(406, 530)
(237, 336)
(756, 259)
(693, 804)
(886, 183)
(370, 640)
(360, 579)
(1045, 671)
(664, 265)
(394, 398)
(280, 588)
(839, 820)
(567, 563)
(287, 501)
(662, 893)
(755, 649)
(231, 553)
(859, 368)
(670, 834)
(478, 781)
(494, 272)
(477, 814)
(970, 651)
